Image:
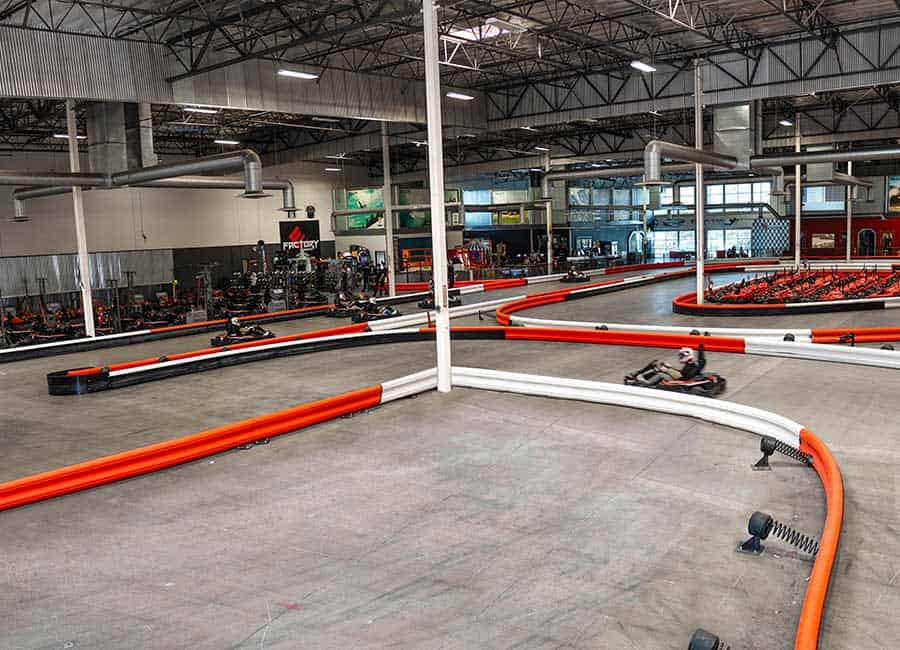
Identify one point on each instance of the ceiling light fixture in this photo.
(337, 156)
(228, 142)
(643, 67)
(330, 120)
(528, 128)
(461, 96)
(63, 136)
(297, 74)
(541, 149)
(332, 169)
(785, 123)
(200, 109)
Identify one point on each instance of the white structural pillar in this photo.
(849, 208)
(84, 265)
(549, 210)
(798, 195)
(388, 202)
(436, 185)
(699, 194)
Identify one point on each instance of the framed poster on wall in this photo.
(823, 240)
(893, 190)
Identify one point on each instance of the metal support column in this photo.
(798, 195)
(388, 201)
(549, 207)
(849, 208)
(436, 186)
(84, 265)
(699, 193)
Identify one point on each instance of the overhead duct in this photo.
(733, 132)
(56, 183)
(657, 149)
(814, 157)
(288, 200)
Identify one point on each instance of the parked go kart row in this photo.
(807, 286)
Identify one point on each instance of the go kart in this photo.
(704, 384)
(373, 312)
(252, 333)
(428, 303)
(574, 276)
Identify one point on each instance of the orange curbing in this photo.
(817, 587)
(144, 460)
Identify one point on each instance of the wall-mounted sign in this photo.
(893, 189)
(823, 240)
(300, 235)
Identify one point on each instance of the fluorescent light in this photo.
(366, 117)
(337, 156)
(332, 169)
(330, 120)
(541, 149)
(785, 123)
(654, 112)
(231, 142)
(536, 169)
(63, 136)
(643, 67)
(297, 74)
(528, 128)
(462, 96)
(200, 109)
(420, 143)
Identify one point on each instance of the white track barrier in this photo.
(729, 414)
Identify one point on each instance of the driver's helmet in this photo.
(373, 302)
(235, 322)
(686, 355)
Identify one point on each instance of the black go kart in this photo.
(345, 306)
(574, 275)
(704, 384)
(242, 335)
(373, 311)
(428, 303)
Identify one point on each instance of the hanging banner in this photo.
(300, 235)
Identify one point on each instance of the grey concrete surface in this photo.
(473, 519)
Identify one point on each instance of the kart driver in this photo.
(691, 366)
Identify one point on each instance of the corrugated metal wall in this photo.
(19, 275)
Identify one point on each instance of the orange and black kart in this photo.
(704, 384)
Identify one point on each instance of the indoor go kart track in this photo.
(548, 523)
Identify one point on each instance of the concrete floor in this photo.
(473, 519)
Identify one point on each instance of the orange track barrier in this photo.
(331, 331)
(817, 587)
(222, 321)
(861, 334)
(181, 450)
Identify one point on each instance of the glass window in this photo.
(579, 196)
(688, 194)
(738, 238)
(622, 197)
(738, 193)
(715, 194)
(665, 195)
(818, 199)
(686, 241)
(662, 243)
(715, 241)
(637, 196)
(477, 197)
(478, 219)
(762, 192)
(601, 196)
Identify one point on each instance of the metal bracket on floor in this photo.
(769, 445)
(761, 525)
(703, 640)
